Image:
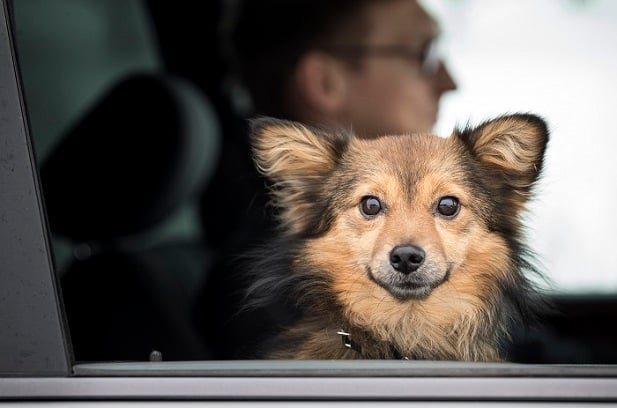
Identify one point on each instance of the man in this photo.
(367, 65)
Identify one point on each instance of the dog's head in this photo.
(407, 212)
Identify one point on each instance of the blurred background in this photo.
(558, 59)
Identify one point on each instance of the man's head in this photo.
(363, 64)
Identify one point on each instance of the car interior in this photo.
(139, 129)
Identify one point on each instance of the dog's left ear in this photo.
(512, 147)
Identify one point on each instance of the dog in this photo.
(402, 246)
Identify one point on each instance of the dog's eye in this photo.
(448, 206)
(370, 206)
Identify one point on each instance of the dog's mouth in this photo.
(404, 288)
(409, 291)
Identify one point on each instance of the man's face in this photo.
(390, 93)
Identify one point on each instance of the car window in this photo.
(130, 120)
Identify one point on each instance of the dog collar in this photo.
(348, 343)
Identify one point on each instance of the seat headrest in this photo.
(145, 148)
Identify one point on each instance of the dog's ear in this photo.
(512, 147)
(295, 158)
(285, 150)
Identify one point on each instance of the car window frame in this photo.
(36, 361)
(34, 338)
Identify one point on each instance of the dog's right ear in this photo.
(295, 158)
(286, 150)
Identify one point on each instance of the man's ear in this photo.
(320, 81)
(511, 147)
(296, 158)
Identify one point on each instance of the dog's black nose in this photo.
(406, 258)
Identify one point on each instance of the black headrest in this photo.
(146, 146)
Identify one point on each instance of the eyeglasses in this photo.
(427, 56)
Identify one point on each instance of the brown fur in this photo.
(335, 261)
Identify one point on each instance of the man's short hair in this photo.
(268, 37)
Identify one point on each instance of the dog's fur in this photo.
(337, 261)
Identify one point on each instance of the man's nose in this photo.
(443, 81)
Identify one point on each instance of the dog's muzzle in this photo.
(407, 273)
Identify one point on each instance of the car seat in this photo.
(115, 188)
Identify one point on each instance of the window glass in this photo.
(132, 281)
(554, 58)
(122, 146)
